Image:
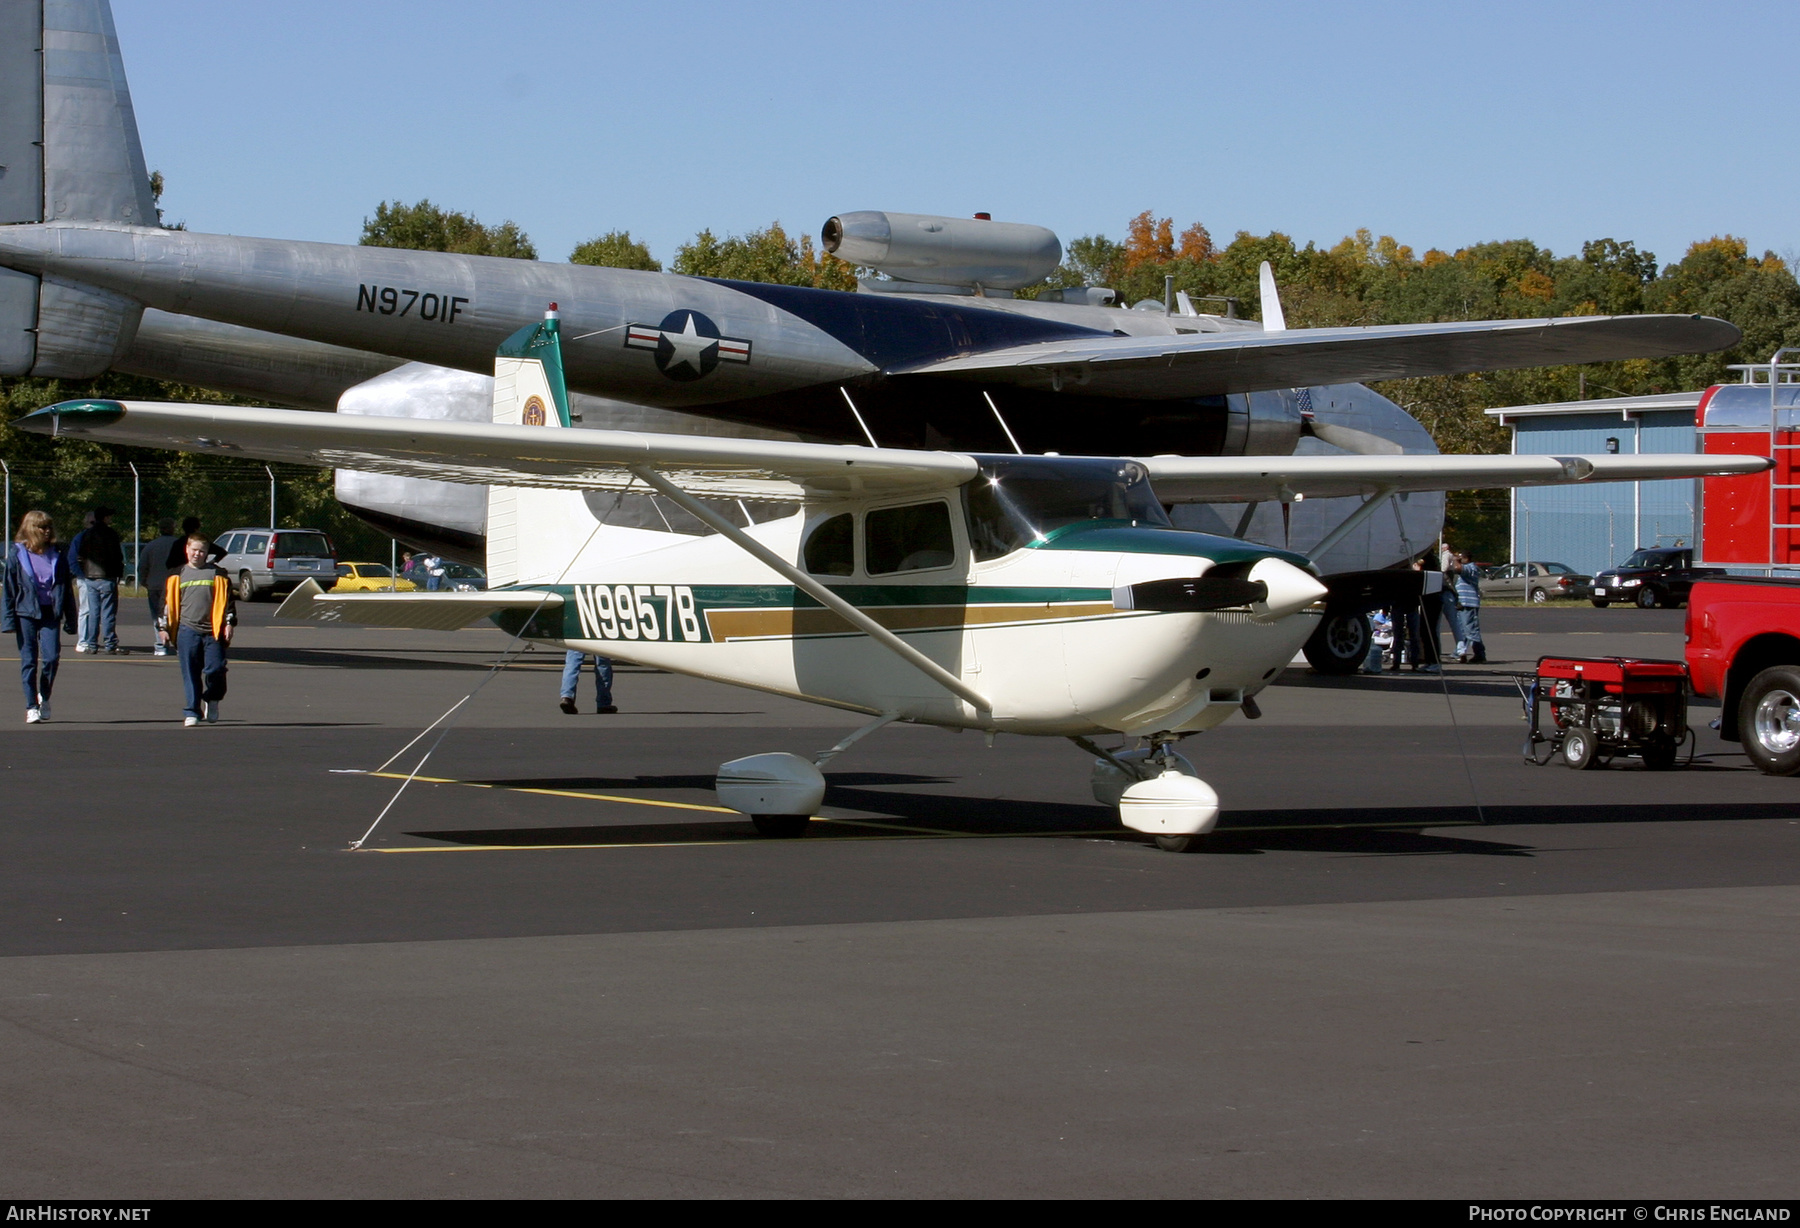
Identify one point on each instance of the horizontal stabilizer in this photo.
(417, 611)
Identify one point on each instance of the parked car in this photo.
(369, 578)
(462, 578)
(262, 562)
(1534, 581)
(1650, 578)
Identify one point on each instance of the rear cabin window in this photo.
(257, 543)
(831, 550)
(302, 546)
(915, 538)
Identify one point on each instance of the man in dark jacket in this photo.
(153, 573)
(97, 559)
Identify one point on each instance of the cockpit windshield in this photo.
(1019, 501)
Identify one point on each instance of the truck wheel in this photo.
(1598, 605)
(1646, 598)
(1339, 644)
(1769, 720)
(1579, 748)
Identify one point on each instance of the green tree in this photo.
(425, 227)
(763, 255)
(616, 249)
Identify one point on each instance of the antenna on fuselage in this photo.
(1273, 320)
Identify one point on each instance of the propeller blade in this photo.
(1350, 439)
(1201, 593)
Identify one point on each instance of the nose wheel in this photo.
(1157, 792)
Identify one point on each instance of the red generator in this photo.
(1604, 707)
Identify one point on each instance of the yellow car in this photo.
(369, 578)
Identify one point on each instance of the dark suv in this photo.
(1650, 578)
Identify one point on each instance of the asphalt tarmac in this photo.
(1410, 966)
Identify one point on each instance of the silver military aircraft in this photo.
(934, 354)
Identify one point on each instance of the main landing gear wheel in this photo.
(1339, 644)
(781, 826)
(1646, 599)
(1769, 720)
(1580, 750)
(1180, 844)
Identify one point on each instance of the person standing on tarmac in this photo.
(97, 560)
(603, 680)
(36, 598)
(153, 574)
(199, 610)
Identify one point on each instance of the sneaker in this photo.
(212, 712)
(161, 650)
(568, 705)
(608, 710)
(43, 708)
(33, 716)
(117, 651)
(190, 721)
(81, 648)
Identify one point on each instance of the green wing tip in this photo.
(73, 415)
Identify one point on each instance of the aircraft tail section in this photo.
(533, 534)
(69, 151)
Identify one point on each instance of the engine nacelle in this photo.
(950, 251)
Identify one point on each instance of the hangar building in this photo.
(1594, 527)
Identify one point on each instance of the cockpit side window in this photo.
(912, 538)
(831, 550)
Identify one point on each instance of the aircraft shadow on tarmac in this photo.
(1372, 832)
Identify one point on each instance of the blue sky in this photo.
(1440, 124)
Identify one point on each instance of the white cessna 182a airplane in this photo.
(1042, 595)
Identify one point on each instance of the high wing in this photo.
(767, 469)
(494, 455)
(1243, 479)
(1247, 361)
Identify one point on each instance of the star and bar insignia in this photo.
(687, 344)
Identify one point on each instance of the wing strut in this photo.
(812, 588)
(1355, 518)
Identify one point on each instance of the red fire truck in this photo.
(1752, 522)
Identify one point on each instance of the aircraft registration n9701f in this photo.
(1037, 595)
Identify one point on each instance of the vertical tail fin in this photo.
(532, 535)
(69, 151)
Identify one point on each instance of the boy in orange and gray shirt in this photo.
(198, 619)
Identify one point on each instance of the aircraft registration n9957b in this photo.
(1035, 595)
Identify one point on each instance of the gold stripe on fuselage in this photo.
(788, 623)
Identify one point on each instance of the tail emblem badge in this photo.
(533, 414)
(687, 345)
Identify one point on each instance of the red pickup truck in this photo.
(1743, 649)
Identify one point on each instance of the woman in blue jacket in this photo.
(36, 600)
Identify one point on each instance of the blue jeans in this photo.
(602, 677)
(100, 613)
(1471, 630)
(40, 648)
(202, 657)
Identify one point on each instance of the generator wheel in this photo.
(1580, 748)
(1659, 755)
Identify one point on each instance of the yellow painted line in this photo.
(592, 797)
